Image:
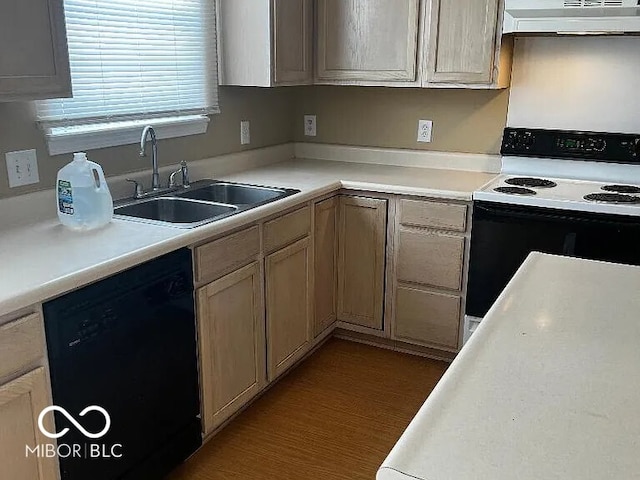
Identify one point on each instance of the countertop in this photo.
(43, 260)
(547, 387)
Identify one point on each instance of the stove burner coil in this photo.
(621, 188)
(612, 198)
(530, 182)
(515, 190)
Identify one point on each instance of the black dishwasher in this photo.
(126, 344)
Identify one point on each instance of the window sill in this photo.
(90, 137)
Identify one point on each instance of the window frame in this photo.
(62, 138)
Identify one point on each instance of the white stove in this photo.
(565, 193)
(585, 172)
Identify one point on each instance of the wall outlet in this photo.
(22, 168)
(425, 130)
(310, 125)
(245, 132)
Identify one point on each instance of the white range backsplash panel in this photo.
(576, 83)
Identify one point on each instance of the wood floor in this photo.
(336, 416)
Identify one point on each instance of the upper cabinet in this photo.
(34, 62)
(373, 40)
(265, 43)
(293, 41)
(395, 43)
(464, 44)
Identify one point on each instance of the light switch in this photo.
(22, 167)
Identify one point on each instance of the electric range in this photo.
(560, 192)
(580, 171)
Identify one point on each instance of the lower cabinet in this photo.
(232, 343)
(430, 258)
(430, 245)
(21, 402)
(325, 264)
(361, 260)
(288, 296)
(427, 317)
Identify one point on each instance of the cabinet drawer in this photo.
(221, 256)
(430, 258)
(286, 229)
(21, 344)
(445, 216)
(427, 317)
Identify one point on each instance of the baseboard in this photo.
(395, 345)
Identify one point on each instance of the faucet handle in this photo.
(139, 190)
(171, 183)
(185, 174)
(184, 170)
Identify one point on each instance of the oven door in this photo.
(503, 235)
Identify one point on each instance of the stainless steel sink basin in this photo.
(234, 194)
(176, 211)
(203, 202)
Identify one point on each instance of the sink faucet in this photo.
(184, 170)
(155, 176)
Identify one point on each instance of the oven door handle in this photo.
(558, 217)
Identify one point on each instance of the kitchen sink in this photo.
(234, 194)
(203, 202)
(177, 211)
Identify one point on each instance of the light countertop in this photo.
(547, 387)
(43, 260)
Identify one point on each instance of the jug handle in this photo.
(98, 178)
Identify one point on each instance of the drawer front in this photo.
(226, 254)
(430, 258)
(286, 229)
(444, 216)
(21, 344)
(427, 317)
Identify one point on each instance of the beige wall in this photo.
(270, 112)
(464, 120)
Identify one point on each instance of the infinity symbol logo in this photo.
(92, 408)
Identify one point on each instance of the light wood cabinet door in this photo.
(462, 43)
(325, 262)
(372, 40)
(21, 402)
(427, 317)
(430, 258)
(288, 280)
(34, 62)
(293, 41)
(361, 260)
(232, 347)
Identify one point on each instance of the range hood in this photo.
(572, 16)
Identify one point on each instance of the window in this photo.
(134, 62)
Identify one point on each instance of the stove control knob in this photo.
(636, 152)
(527, 140)
(599, 145)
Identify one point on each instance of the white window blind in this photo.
(137, 59)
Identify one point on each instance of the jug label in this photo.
(65, 197)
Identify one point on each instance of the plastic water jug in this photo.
(84, 200)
